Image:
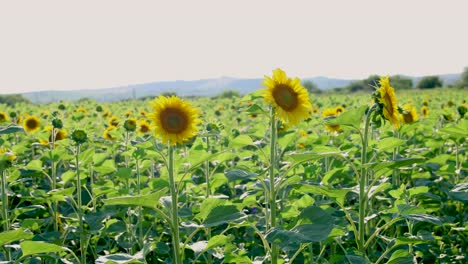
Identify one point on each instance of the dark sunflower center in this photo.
(388, 104)
(408, 118)
(31, 123)
(285, 97)
(144, 129)
(173, 120)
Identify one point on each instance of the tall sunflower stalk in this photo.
(80, 137)
(290, 103)
(175, 121)
(6, 159)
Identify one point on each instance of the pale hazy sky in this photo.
(64, 45)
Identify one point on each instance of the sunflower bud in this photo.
(130, 125)
(79, 136)
(61, 107)
(57, 123)
(99, 108)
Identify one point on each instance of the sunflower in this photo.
(130, 124)
(3, 117)
(173, 119)
(143, 127)
(388, 102)
(107, 134)
(31, 124)
(425, 111)
(339, 109)
(81, 110)
(409, 114)
(287, 96)
(113, 121)
(106, 114)
(10, 156)
(332, 113)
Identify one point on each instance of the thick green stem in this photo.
(208, 193)
(363, 183)
(54, 181)
(272, 192)
(5, 217)
(396, 174)
(80, 208)
(207, 169)
(140, 211)
(174, 209)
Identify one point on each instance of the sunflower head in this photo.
(143, 127)
(330, 113)
(79, 136)
(425, 111)
(107, 133)
(409, 114)
(130, 124)
(173, 119)
(339, 109)
(99, 109)
(388, 102)
(113, 121)
(3, 117)
(289, 98)
(6, 158)
(81, 110)
(462, 109)
(31, 124)
(57, 123)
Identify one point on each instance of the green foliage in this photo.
(228, 94)
(13, 99)
(401, 83)
(429, 82)
(311, 87)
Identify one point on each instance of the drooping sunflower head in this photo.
(173, 119)
(331, 113)
(107, 133)
(130, 124)
(143, 127)
(339, 109)
(388, 102)
(3, 117)
(113, 121)
(425, 111)
(31, 124)
(7, 154)
(409, 114)
(289, 98)
(81, 110)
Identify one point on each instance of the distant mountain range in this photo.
(207, 87)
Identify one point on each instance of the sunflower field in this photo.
(277, 176)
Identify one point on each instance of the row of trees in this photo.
(398, 82)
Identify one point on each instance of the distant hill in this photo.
(207, 87)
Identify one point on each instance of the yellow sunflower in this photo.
(287, 96)
(81, 110)
(3, 117)
(31, 124)
(389, 102)
(106, 114)
(409, 114)
(143, 127)
(10, 156)
(339, 109)
(113, 121)
(107, 134)
(331, 112)
(425, 111)
(173, 119)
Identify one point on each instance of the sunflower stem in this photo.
(174, 209)
(272, 193)
(54, 179)
(6, 220)
(363, 180)
(140, 211)
(80, 209)
(208, 193)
